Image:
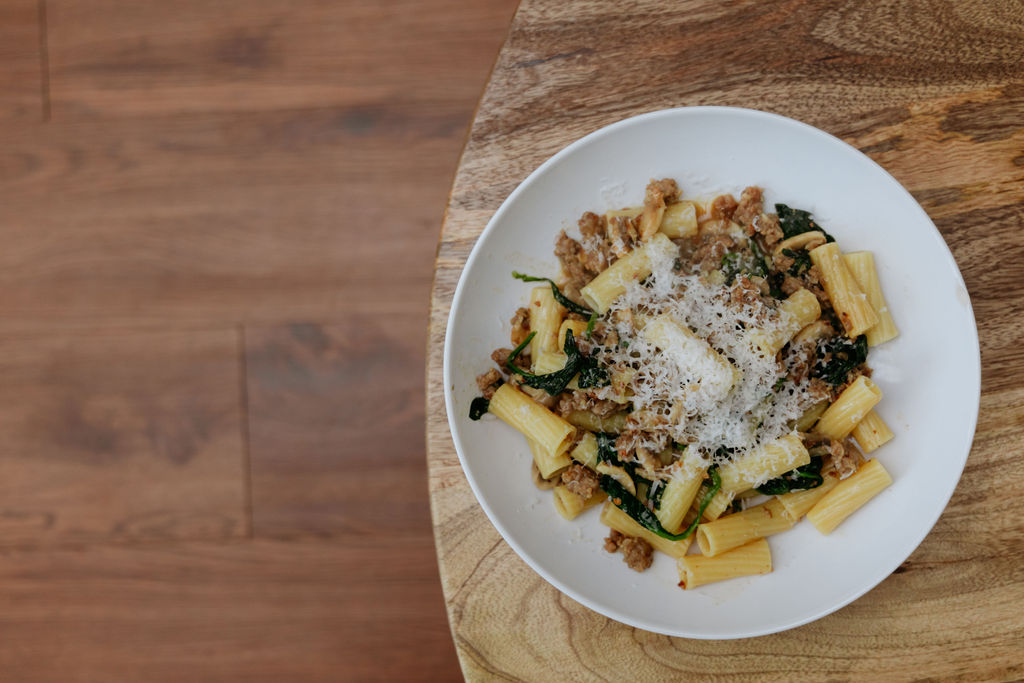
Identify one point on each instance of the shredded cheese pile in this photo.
(668, 397)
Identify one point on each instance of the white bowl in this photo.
(930, 375)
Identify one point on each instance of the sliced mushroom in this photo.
(618, 474)
(654, 211)
(805, 240)
(819, 329)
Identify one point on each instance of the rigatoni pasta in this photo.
(700, 368)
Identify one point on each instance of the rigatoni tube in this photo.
(871, 432)
(849, 495)
(849, 301)
(753, 558)
(799, 310)
(633, 267)
(849, 409)
(552, 434)
(732, 531)
(615, 518)
(862, 267)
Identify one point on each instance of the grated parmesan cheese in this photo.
(668, 400)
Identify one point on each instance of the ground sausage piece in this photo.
(594, 254)
(636, 553)
(744, 292)
(767, 224)
(750, 207)
(611, 544)
(568, 252)
(581, 480)
(711, 252)
(581, 400)
(790, 284)
(591, 225)
(783, 262)
(667, 187)
(723, 206)
(623, 232)
(520, 326)
(844, 460)
(488, 383)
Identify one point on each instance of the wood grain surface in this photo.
(217, 223)
(933, 91)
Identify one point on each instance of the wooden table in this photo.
(933, 91)
(217, 228)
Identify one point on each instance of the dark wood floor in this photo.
(217, 230)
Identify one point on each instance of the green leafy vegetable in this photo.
(801, 261)
(797, 221)
(590, 325)
(775, 280)
(559, 297)
(799, 479)
(749, 262)
(837, 356)
(632, 506)
(730, 265)
(478, 407)
(591, 375)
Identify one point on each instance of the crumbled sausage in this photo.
(592, 225)
(648, 460)
(750, 207)
(570, 401)
(845, 458)
(623, 233)
(782, 262)
(520, 326)
(744, 292)
(636, 552)
(723, 206)
(712, 250)
(767, 225)
(568, 252)
(667, 187)
(791, 284)
(489, 382)
(611, 544)
(581, 480)
(595, 254)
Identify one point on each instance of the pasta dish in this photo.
(699, 370)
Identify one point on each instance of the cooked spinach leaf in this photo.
(775, 280)
(797, 221)
(606, 450)
(837, 356)
(591, 375)
(801, 261)
(632, 506)
(747, 262)
(478, 407)
(799, 479)
(559, 297)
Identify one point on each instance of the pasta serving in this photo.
(699, 371)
